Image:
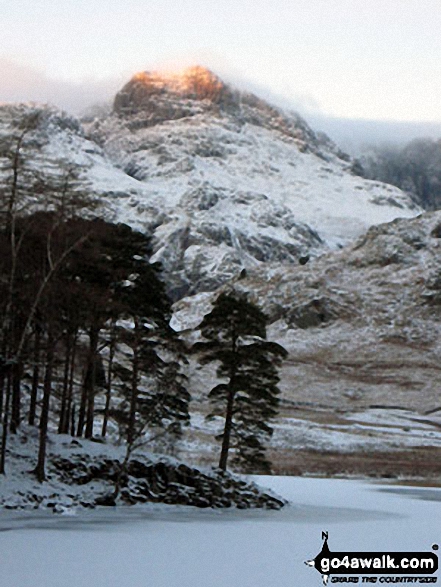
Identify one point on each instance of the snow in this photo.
(385, 430)
(328, 198)
(166, 546)
(218, 194)
(377, 429)
(18, 486)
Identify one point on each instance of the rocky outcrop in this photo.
(223, 181)
(160, 97)
(152, 98)
(165, 482)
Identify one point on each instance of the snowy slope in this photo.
(363, 330)
(56, 143)
(362, 325)
(231, 181)
(223, 180)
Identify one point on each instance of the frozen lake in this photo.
(168, 546)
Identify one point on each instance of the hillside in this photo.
(228, 182)
(235, 191)
(362, 327)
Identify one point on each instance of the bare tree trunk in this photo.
(87, 403)
(134, 390)
(2, 388)
(64, 391)
(16, 397)
(109, 381)
(226, 437)
(35, 376)
(82, 410)
(3, 377)
(47, 388)
(130, 448)
(5, 424)
(69, 406)
(72, 421)
(90, 381)
(90, 404)
(122, 470)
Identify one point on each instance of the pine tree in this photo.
(26, 191)
(154, 386)
(247, 398)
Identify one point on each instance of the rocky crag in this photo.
(83, 474)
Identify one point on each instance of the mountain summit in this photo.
(155, 97)
(226, 181)
(222, 180)
(193, 83)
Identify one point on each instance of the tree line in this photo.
(414, 167)
(85, 336)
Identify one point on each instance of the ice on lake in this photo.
(167, 546)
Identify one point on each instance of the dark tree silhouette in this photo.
(247, 398)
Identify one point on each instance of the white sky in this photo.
(368, 59)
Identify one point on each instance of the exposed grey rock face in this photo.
(223, 181)
(240, 182)
(164, 482)
(200, 253)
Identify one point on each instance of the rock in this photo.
(107, 500)
(163, 482)
(313, 313)
(87, 505)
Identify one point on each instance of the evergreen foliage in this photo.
(82, 290)
(247, 398)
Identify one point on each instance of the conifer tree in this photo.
(154, 386)
(247, 397)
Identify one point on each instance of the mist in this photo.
(21, 83)
(357, 136)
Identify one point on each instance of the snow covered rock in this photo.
(83, 474)
(165, 482)
(223, 180)
(233, 182)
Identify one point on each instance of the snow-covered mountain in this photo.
(232, 188)
(230, 182)
(223, 180)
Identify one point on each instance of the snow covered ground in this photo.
(381, 430)
(168, 546)
(376, 429)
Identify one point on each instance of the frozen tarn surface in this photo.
(169, 546)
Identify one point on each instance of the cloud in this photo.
(21, 83)
(356, 136)
(304, 104)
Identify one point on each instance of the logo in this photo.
(330, 563)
